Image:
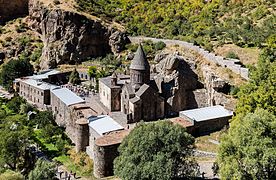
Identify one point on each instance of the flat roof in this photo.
(112, 138)
(181, 121)
(206, 113)
(103, 124)
(38, 84)
(67, 96)
(45, 74)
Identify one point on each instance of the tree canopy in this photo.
(11, 175)
(74, 77)
(156, 151)
(15, 68)
(14, 143)
(260, 91)
(248, 151)
(43, 170)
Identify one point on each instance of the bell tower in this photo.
(139, 69)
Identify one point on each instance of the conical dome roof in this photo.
(139, 61)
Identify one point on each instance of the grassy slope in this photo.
(246, 23)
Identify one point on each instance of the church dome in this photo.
(139, 61)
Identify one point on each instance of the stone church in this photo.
(135, 95)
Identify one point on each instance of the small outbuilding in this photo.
(208, 119)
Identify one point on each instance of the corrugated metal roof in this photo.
(207, 113)
(45, 75)
(103, 124)
(38, 84)
(67, 96)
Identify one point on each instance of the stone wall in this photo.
(232, 64)
(60, 110)
(35, 95)
(82, 135)
(103, 160)
(10, 9)
(210, 126)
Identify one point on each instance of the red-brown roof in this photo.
(112, 138)
(181, 121)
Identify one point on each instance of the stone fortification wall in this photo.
(231, 64)
(103, 160)
(10, 9)
(82, 135)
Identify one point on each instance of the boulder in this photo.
(118, 41)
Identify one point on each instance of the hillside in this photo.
(246, 23)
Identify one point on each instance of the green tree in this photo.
(14, 69)
(14, 142)
(11, 175)
(156, 151)
(260, 91)
(15, 103)
(74, 77)
(25, 108)
(92, 71)
(43, 171)
(248, 151)
(42, 118)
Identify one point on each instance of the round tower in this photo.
(139, 68)
(82, 134)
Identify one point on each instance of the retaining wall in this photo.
(211, 57)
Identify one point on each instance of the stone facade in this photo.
(110, 94)
(103, 160)
(60, 110)
(35, 91)
(145, 104)
(137, 95)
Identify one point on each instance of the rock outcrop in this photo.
(70, 37)
(12, 9)
(174, 78)
(216, 89)
(118, 41)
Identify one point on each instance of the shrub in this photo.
(159, 45)
(232, 55)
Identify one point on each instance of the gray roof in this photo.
(142, 90)
(206, 113)
(103, 124)
(139, 61)
(67, 96)
(134, 100)
(38, 84)
(107, 82)
(45, 74)
(129, 89)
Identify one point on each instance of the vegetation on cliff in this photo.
(246, 23)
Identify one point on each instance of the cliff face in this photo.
(68, 37)
(12, 9)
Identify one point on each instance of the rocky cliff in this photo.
(12, 9)
(175, 77)
(70, 37)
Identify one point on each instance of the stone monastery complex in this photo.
(168, 91)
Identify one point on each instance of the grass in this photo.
(248, 56)
(203, 143)
(77, 162)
